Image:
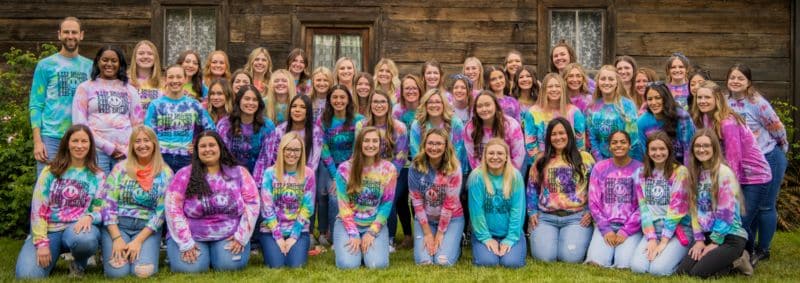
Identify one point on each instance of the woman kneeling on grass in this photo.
(496, 208)
(287, 194)
(134, 208)
(211, 208)
(661, 190)
(612, 201)
(364, 187)
(63, 209)
(435, 185)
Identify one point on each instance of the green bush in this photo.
(18, 170)
(789, 198)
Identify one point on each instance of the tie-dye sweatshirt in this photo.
(561, 189)
(124, 197)
(742, 153)
(110, 109)
(230, 210)
(399, 156)
(312, 159)
(281, 110)
(302, 88)
(58, 202)
(246, 146)
(612, 197)
(581, 100)
(318, 106)
(681, 94)
(176, 122)
(404, 115)
(146, 95)
(54, 83)
(536, 128)
(513, 137)
(762, 121)
(456, 130)
(493, 215)
(681, 144)
(603, 118)
(337, 141)
(435, 196)
(287, 205)
(662, 200)
(369, 208)
(510, 106)
(721, 217)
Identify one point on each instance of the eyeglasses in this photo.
(292, 150)
(410, 88)
(380, 102)
(434, 144)
(434, 102)
(702, 145)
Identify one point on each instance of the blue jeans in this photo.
(297, 256)
(450, 248)
(400, 207)
(176, 161)
(333, 211)
(105, 161)
(560, 238)
(766, 218)
(323, 184)
(377, 256)
(754, 195)
(82, 246)
(147, 264)
(514, 258)
(51, 147)
(212, 254)
(604, 255)
(665, 263)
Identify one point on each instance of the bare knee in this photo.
(144, 270)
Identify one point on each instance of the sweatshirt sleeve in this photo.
(268, 214)
(110, 194)
(579, 127)
(136, 115)
(157, 219)
(306, 209)
(346, 213)
(517, 212)
(326, 157)
(40, 209)
(678, 207)
(532, 194)
(415, 193)
(732, 143)
(414, 138)
(633, 130)
(595, 143)
(725, 214)
(400, 146)
(648, 229)
(452, 201)
(517, 143)
(596, 200)
(385, 208)
(469, 146)
(150, 115)
(480, 229)
(177, 222)
(38, 96)
(772, 123)
(251, 205)
(686, 130)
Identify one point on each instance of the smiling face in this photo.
(109, 65)
(321, 83)
(658, 151)
(619, 145)
(190, 64)
(737, 82)
(435, 146)
(434, 106)
(298, 111)
(460, 91)
(472, 70)
(574, 79)
(379, 105)
(346, 71)
(208, 151)
(143, 147)
(706, 102)
(384, 75)
(174, 80)
(239, 81)
(410, 91)
(497, 80)
(145, 57)
(79, 145)
(280, 84)
(496, 157)
(339, 100)
(561, 57)
(655, 102)
(641, 83)
(432, 76)
(216, 96)
(363, 87)
(218, 65)
(554, 91)
(677, 71)
(525, 81)
(607, 82)
(702, 148)
(625, 71)
(292, 152)
(298, 65)
(513, 63)
(260, 63)
(249, 103)
(485, 108)
(70, 35)
(559, 138)
(371, 144)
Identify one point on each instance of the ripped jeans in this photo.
(560, 238)
(147, 263)
(449, 249)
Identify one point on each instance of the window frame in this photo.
(363, 32)
(545, 8)
(159, 10)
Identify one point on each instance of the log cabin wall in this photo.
(713, 34)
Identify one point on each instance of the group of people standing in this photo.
(621, 170)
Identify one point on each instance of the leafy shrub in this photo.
(18, 170)
(789, 197)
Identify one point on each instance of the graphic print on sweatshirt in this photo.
(69, 193)
(176, 123)
(370, 195)
(496, 204)
(218, 203)
(618, 191)
(286, 195)
(69, 81)
(704, 197)
(112, 102)
(559, 179)
(657, 192)
(433, 194)
(130, 193)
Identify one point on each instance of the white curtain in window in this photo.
(324, 51)
(350, 46)
(583, 30)
(189, 28)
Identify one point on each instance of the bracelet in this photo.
(117, 237)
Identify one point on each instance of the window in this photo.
(187, 28)
(583, 30)
(329, 44)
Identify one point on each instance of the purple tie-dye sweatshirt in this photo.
(612, 197)
(513, 137)
(111, 109)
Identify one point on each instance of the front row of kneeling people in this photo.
(656, 216)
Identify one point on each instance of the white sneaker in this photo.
(392, 248)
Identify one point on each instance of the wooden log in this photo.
(276, 27)
(505, 32)
(704, 21)
(94, 10)
(460, 14)
(704, 44)
(444, 52)
(767, 69)
(100, 30)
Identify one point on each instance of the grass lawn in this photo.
(784, 266)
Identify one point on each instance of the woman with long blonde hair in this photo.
(387, 77)
(281, 88)
(611, 110)
(259, 66)
(145, 72)
(217, 67)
